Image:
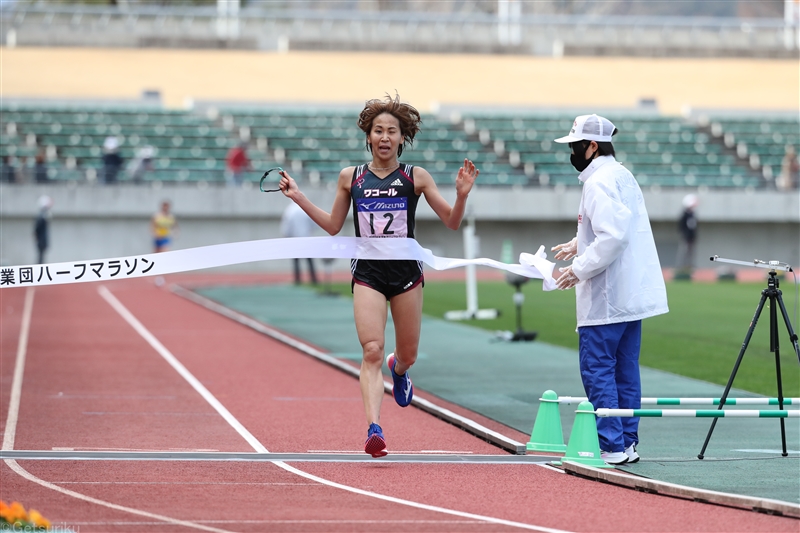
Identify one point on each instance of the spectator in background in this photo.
(790, 171)
(40, 168)
(296, 223)
(236, 163)
(8, 174)
(41, 228)
(142, 164)
(162, 225)
(112, 161)
(687, 225)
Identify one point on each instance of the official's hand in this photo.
(566, 251)
(567, 279)
(466, 177)
(287, 185)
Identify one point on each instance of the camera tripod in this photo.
(774, 295)
(520, 335)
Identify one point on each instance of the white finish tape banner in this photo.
(530, 265)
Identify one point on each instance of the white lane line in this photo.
(185, 374)
(27, 475)
(257, 446)
(10, 433)
(381, 521)
(91, 449)
(440, 412)
(417, 505)
(201, 483)
(398, 452)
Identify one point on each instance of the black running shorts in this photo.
(389, 277)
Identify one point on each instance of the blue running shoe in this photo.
(402, 389)
(375, 445)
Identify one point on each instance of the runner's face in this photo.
(385, 137)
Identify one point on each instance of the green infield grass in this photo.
(700, 337)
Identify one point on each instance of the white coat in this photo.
(295, 222)
(617, 262)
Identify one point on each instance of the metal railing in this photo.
(286, 28)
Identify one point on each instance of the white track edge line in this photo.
(417, 505)
(117, 305)
(549, 467)
(10, 432)
(27, 475)
(9, 435)
(178, 366)
(278, 335)
(418, 401)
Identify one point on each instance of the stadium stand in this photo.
(759, 141)
(664, 151)
(186, 146)
(318, 144)
(315, 144)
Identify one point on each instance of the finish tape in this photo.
(530, 265)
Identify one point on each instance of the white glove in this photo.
(566, 251)
(567, 279)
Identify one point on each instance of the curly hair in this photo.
(406, 114)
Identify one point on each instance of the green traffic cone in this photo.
(547, 435)
(584, 447)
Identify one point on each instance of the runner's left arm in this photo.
(451, 216)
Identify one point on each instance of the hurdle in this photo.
(694, 401)
(691, 413)
(547, 434)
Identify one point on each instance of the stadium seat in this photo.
(317, 143)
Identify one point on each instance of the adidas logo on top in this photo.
(396, 182)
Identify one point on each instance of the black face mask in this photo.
(577, 158)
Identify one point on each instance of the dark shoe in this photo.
(402, 390)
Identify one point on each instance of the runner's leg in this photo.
(369, 309)
(407, 318)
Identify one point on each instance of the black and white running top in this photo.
(384, 207)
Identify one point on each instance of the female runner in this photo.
(384, 194)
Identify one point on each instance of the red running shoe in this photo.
(375, 444)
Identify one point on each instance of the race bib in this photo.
(382, 218)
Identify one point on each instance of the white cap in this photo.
(45, 202)
(690, 201)
(111, 144)
(589, 128)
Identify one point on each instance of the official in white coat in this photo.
(617, 278)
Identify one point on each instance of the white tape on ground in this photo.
(531, 265)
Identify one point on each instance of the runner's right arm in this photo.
(331, 222)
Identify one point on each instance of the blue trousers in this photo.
(609, 362)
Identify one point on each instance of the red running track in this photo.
(91, 382)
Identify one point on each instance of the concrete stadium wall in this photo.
(98, 222)
(428, 81)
